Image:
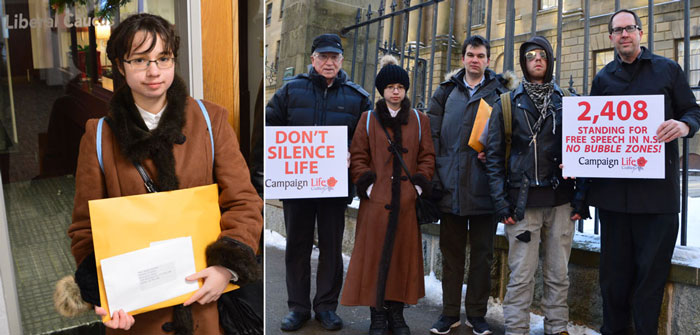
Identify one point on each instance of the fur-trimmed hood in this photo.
(507, 79)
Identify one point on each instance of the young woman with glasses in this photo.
(153, 121)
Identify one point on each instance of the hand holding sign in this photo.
(670, 130)
(613, 136)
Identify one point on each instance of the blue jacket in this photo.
(307, 100)
(654, 75)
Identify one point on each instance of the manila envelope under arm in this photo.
(480, 123)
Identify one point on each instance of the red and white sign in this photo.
(306, 162)
(613, 136)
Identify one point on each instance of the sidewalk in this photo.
(356, 319)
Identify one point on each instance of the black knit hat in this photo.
(390, 74)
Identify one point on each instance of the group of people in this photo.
(398, 154)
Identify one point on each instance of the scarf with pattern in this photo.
(540, 94)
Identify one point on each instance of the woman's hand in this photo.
(215, 280)
(120, 320)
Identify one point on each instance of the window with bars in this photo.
(694, 72)
(547, 4)
(478, 12)
(602, 58)
(268, 14)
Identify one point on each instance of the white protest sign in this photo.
(613, 136)
(306, 162)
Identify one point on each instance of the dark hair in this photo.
(475, 41)
(636, 19)
(120, 42)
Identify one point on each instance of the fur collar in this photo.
(137, 143)
(385, 117)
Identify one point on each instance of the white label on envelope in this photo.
(148, 276)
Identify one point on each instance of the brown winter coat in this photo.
(392, 198)
(125, 138)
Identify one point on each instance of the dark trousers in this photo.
(454, 232)
(635, 259)
(300, 217)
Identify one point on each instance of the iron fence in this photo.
(423, 70)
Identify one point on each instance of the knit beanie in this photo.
(390, 73)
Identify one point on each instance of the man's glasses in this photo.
(326, 57)
(629, 29)
(143, 63)
(530, 55)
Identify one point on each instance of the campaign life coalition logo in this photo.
(634, 164)
(315, 184)
(323, 185)
(625, 163)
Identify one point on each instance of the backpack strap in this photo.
(98, 144)
(369, 114)
(211, 135)
(98, 137)
(507, 122)
(419, 130)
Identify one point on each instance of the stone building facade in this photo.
(289, 36)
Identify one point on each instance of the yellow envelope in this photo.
(124, 224)
(480, 123)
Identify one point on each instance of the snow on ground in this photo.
(274, 239)
(433, 292)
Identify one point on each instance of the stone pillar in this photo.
(412, 23)
(443, 19)
(387, 26)
(460, 28)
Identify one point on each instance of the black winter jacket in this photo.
(307, 100)
(538, 162)
(459, 173)
(654, 75)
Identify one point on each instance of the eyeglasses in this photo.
(530, 55)
(629, 29)
(326, 57)
(143, 63)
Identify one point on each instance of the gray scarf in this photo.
(540, 94)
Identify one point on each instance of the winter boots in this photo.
(397, 324)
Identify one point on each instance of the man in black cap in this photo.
(322, 97)
(529, 194)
